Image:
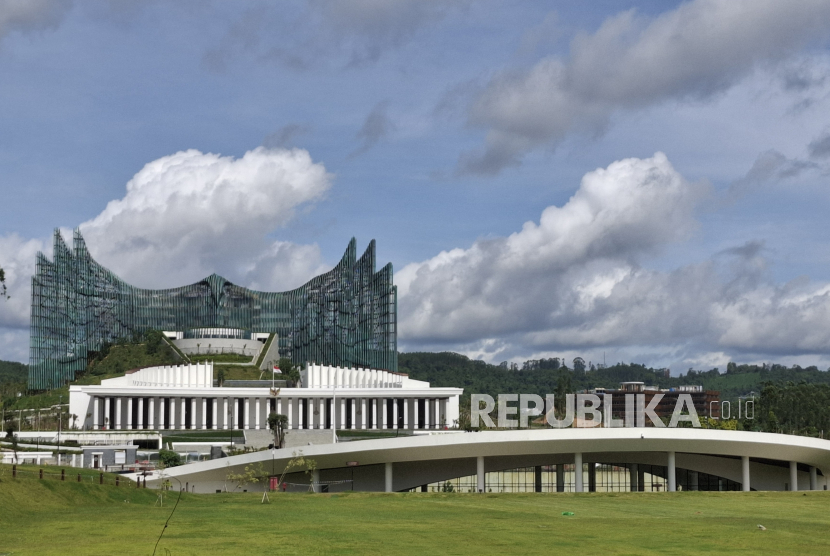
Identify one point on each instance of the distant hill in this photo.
(12, 371)
(452, 369)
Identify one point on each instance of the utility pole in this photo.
(60, 422)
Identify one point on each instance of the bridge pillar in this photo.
(389, 476)
(578, 472)
(745, 473)
(480, 474)
(671, 472)
(793, 476)
(633, 477)
(813, 478)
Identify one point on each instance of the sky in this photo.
(622, 181)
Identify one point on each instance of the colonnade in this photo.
(636, 475)
(251, 412)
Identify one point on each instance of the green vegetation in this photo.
(115, 360)
(452, 369)
(202, 436)
(169, 458)
(794, 409)
(51, 518)
(264, 351)
(238, 372)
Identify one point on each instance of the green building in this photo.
(345, 317)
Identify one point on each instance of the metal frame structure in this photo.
(345, 317)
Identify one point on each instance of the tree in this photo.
(277, 423)
(251, 475)
(299, 462)
(169, 458)
(579, 365)
(289, 369)
(153, 341)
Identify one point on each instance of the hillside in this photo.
(452, 369)
(11, 371)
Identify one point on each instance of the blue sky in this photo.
(643, 180)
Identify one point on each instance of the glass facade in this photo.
(347, 316)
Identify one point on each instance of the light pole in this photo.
(60, 400)
(230, 418)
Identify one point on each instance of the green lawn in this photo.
(50, 517)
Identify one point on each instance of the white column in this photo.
(383, 421)
(578, 472)
(235, 414)
(672, 480)
(437, 414)
(322, 410)
(194, 423)
(257, 409)
(129, 413)
(414, 413)
(363, 413)
(215, 423)
(406, 413)
(151, 421)
(96, 408)
(373, 408)
(394, 413)
(813, 478)
(342, 422)
(310, 412)
(204, 413)
(794, 476)
(182, 412)
(480, 486)
(279, 406)
(745, 473)
(107, 406)
(247, 415)
(161, 413)
(140, 413)
(354, 410)
(388, 476)
(172, 402)
(290, 414)
(225, 418)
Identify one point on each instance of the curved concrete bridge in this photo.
(758, 461)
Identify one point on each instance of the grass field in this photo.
(50, 517)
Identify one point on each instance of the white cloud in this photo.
(573, 282)
(17, 258)
(185, 216)
(189, 214)
(692, 52)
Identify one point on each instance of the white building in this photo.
(184, 397)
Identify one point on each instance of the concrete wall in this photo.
(218, 345)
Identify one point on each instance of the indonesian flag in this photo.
(277, 370)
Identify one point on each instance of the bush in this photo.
(169, 458)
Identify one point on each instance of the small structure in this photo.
(107, 457)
